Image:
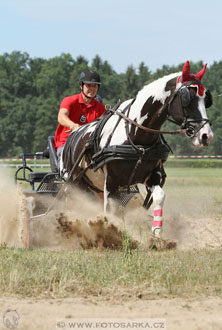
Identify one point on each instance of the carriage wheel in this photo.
(23, 218)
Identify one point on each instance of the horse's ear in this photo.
(186, 72)
(200, 74)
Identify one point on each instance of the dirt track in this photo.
(180, 314)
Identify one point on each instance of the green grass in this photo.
(194, 178)
(194, 163)
(194, 173)
(105, 272)
(194, 191)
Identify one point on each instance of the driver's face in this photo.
(90, 90)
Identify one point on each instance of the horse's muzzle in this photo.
(202, 139)
(200, 133)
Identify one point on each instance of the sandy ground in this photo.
(76, 224)
(178, 314)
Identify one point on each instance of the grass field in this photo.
(195, 191)
(97, 272)
(126, 272)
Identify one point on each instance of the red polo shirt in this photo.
(79, 113)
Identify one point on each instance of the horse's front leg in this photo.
(105, 191)
(158, 201)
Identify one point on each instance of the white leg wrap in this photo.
(158, 200)
(105, 192)
(105, 199)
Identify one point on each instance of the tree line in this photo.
(31, 90)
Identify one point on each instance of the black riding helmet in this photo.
(89, 77)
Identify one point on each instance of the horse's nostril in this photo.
(205, 139)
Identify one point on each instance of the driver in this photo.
(79, 109)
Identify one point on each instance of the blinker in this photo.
(208, 99)
(185, 97)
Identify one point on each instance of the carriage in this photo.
(46, 184)
(40, 184)
(114, 155)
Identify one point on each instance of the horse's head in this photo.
(188, 104)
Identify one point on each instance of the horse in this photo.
(126, 146)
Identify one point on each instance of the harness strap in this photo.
(126, 152)
(101, 122)
(117, 123)
(141, 151)
(87, 146)
(138, 163)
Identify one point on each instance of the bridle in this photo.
(184, 101)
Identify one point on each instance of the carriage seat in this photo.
(52, 154)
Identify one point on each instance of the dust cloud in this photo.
(77, 221)
(13, 216)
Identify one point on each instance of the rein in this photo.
(121, 114)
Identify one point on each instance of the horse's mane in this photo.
(156, 91)
(156, 87)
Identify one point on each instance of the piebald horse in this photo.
(126, 146)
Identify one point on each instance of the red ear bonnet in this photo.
(200, 74)
(187, 76)
(186, 72)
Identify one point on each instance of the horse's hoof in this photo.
(157, 233)
(159, 244)
(100, 243)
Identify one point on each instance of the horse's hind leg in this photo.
(158, 201)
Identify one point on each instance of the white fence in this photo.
(198, 157)
(4, 162)
(29, 165)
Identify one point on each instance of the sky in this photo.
(122, 32)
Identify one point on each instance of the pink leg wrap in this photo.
(157, 219)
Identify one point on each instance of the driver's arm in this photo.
(63, 119)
